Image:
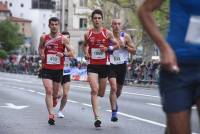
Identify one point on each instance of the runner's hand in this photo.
(42, 56)
(59, 54)
(168, 60)
(103, 48)
(87, 56)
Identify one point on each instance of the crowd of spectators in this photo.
(137, 72)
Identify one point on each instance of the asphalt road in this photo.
(23, 110)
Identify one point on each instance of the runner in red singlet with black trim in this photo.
(96, 50)
(51, 49)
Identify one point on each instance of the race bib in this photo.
(117, 59)
(53, 59)
(97, 54)
(193, 32)
(67, 62)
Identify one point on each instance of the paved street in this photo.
(23, 110)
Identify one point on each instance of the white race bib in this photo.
(53, 59)
(193, 32)
(97, 53)
(117, 58)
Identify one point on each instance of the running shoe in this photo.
(60, 114)
(114, 117)
(51, 120)
(55, 101)
(97, 122)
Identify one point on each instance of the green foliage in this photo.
(3, 54)
(162, 17)
(9, 36)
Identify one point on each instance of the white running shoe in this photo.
(60, 114)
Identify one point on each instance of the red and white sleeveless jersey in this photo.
(95, 41)
(52, 46)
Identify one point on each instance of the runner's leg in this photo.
(179, 122)
(66, 87)
(48, 85)
(102, 87)
(93, 81)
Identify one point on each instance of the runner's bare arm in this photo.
(41, 48)
(145, 14)
(115, 44)
(65, 42)
(129, 45)
(69, 51)
(85, 46)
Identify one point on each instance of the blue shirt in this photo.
(180, 14)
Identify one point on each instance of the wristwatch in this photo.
(125, 47)
(64, 55)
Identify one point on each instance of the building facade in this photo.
(38, 11)
(25, 30)
(4, 11)
(74, 18)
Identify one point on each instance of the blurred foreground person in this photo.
(180, 60)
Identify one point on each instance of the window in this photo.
(44, 25)
(44, 16)
(83, 23)
(10, 4)
(80, 47)
(23, 31)
(83, 3)
(22, 5)
(21, 15)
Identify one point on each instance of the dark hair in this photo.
(53, 19)
(65, 33)
(97, 11)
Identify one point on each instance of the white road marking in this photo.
(140, 119)
(145, 95)
(144, 120)
(72, 101)
(17, 80)
(41, 93)
(85, 104)
(31, 91)
(21, 88)
(13, 106)
(158, 105)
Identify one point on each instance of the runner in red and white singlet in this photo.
(52, 46)
(96, 52)
(95, 42)
(51, 49)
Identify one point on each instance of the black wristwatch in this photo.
(125, 47)
(64, 55)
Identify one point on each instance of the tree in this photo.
(9, 36)
(3, 54)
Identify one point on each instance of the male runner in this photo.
(96, 47)
(51, 50)
(118, 60)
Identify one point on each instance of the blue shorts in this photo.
(180, 91)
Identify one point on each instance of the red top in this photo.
(95, 41)
(52, 46)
